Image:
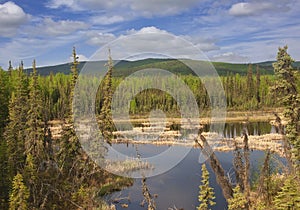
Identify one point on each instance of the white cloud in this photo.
(30, 48)
(139, 7)
(145, 39)
(230, 57)
(99, 38)
(162, 7)
(153, 42)
(11, 18)
(204, 44)
(62, 27)
(107, 20)
(54, 4)
(80, 58)
(258, 7)
(146, 30)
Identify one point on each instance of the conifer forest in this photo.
(43, 170)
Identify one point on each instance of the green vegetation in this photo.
(18, 199)
(273, 190)
(238, 201)
(206, 194)
(39, 173)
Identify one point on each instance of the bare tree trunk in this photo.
(286, 145)
(238, 167)
(147, 196)
(247, 169)
(222, 179)
(263, 185)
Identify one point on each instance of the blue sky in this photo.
(225, 30)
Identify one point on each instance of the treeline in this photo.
(39, 173)
(249, 92)
(242, 93)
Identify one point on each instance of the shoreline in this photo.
(272, 142)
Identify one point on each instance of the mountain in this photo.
(125, 68)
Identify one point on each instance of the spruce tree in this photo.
(238, 201)
(15, 129)
(70, 145)
(34, 142)
(18, 199)
(288, 198)
(286, 87)
(105, 117)
(206, 194)
(4, 98)
(250, 85)
(10, 68)
(257, 85)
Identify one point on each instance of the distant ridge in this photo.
(124, 67)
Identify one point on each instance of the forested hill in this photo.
(127, 67)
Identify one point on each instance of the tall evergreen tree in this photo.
(250, 84)
(257, 85)
(286, 87)
(4, 98)
(70, 145)
(34, 142)
(206, 194)
(15, 129)
(105, 117)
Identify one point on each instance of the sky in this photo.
(225, 30)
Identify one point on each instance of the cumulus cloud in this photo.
(257, 7)
(146, 30)
(145, 39)
(11, 18)
(230, 57)
(153, 42)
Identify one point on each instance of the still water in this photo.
(179, 187)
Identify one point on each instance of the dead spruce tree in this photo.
(222, 179)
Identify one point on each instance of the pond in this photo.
(179, 187)
(230, 129)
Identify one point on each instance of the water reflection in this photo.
(180, 186)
